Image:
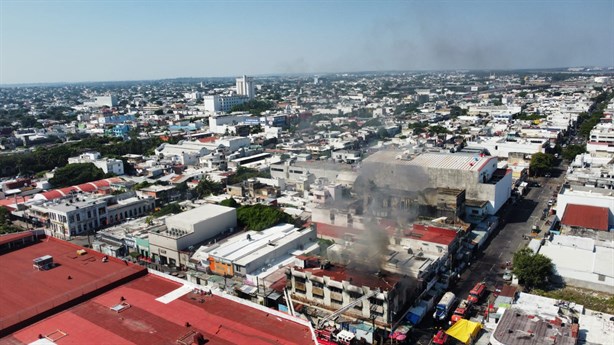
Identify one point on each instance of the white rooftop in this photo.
(199, 214)
(454, 161)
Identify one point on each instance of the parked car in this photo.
(507, 275)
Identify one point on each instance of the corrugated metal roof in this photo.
(590, 217)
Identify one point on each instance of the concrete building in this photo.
(108, 165)
(475, 173)
(219, 123)
(582, 262)
(304, 173)
(107, 100)
(78, 214)
(188, 229)
(64, 218)
(329, 286)
(517, 326)
(501, 147)
(255, 251)
(601, 140)
(217, 103)
(585, 196)
(246, 87)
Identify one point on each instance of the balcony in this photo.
(336, 297)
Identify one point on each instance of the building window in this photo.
(601, 277)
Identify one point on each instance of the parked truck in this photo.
(444, 307)
(461, 311)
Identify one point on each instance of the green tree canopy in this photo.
(571, 151)
(259, 217)
(532, 269)
(254, 106)
(541, 163)
(73, 174)
(230, 202)
(172, 208)
(437, 129)
(6, 226)
(208, 187)
(382, 133)
(243, 174)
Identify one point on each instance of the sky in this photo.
(100, 40)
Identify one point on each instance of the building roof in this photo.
(199, 214)
(4, 239)
(340, 273)
(433, 234)
(590, 217)
(521, 328)
(150, 320)
(436, 160)
(85, 187)
(26, 292)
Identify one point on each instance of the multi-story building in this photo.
(188, 229)
(253, 251)
(220, 123)
(71, 216)
(379, 296)
(108, 165)
(216, 103)
(475, 173)
(108, 101)
(601, 140)
(246, 87)
(79, 214)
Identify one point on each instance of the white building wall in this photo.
(598, 200)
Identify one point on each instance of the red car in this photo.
(441, 338)
(478, 291)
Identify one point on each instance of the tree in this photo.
(29, 121)
(6, 226)
(541, 163)
(78, 173)
(172, 208)
(208, 187)
(532, 269)
(243, 174)
(259, 217)
(571, 151)
(382, 133)
(254, 106)
(230, 202)
(437, 129)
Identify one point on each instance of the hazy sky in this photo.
(71, 40)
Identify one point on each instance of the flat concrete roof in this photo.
(437, 160)
(200, 214)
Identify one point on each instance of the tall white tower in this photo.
(246, 87)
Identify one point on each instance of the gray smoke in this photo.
(390, 196)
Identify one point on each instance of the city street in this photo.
(516, 220)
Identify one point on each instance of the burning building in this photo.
(374, 297)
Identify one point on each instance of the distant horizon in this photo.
(599, 69)
(59, 41)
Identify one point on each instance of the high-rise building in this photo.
(107, 100)
(246, 87)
